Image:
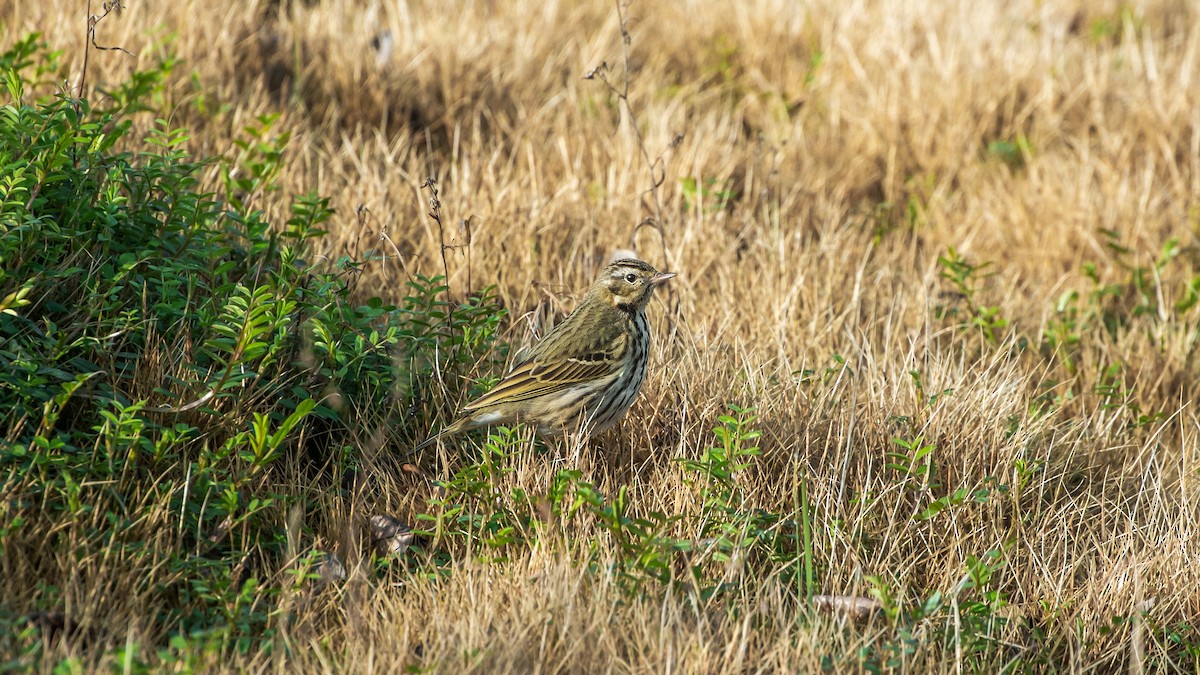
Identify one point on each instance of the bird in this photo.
(585, 373)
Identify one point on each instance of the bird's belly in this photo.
(566, 410)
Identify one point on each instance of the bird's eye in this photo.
(631, 277)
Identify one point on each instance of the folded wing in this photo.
(543, 374)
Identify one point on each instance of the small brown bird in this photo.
(586, 372)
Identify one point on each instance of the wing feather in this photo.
(522, 384)
(542, 375)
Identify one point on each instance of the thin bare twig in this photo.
(464, 226)
(435, 213)
(657, 166)
(109, 7)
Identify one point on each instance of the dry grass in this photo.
(857, 144)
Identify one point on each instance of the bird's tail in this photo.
(429, 441)
(458, 426)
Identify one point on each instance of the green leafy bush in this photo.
(169, 358)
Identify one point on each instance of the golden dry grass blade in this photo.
(819, 158)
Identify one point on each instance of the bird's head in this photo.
(629, 283)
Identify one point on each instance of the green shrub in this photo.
(169, 357)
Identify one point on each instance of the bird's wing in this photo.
(546, 371)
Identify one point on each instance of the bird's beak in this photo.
(661, 278)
